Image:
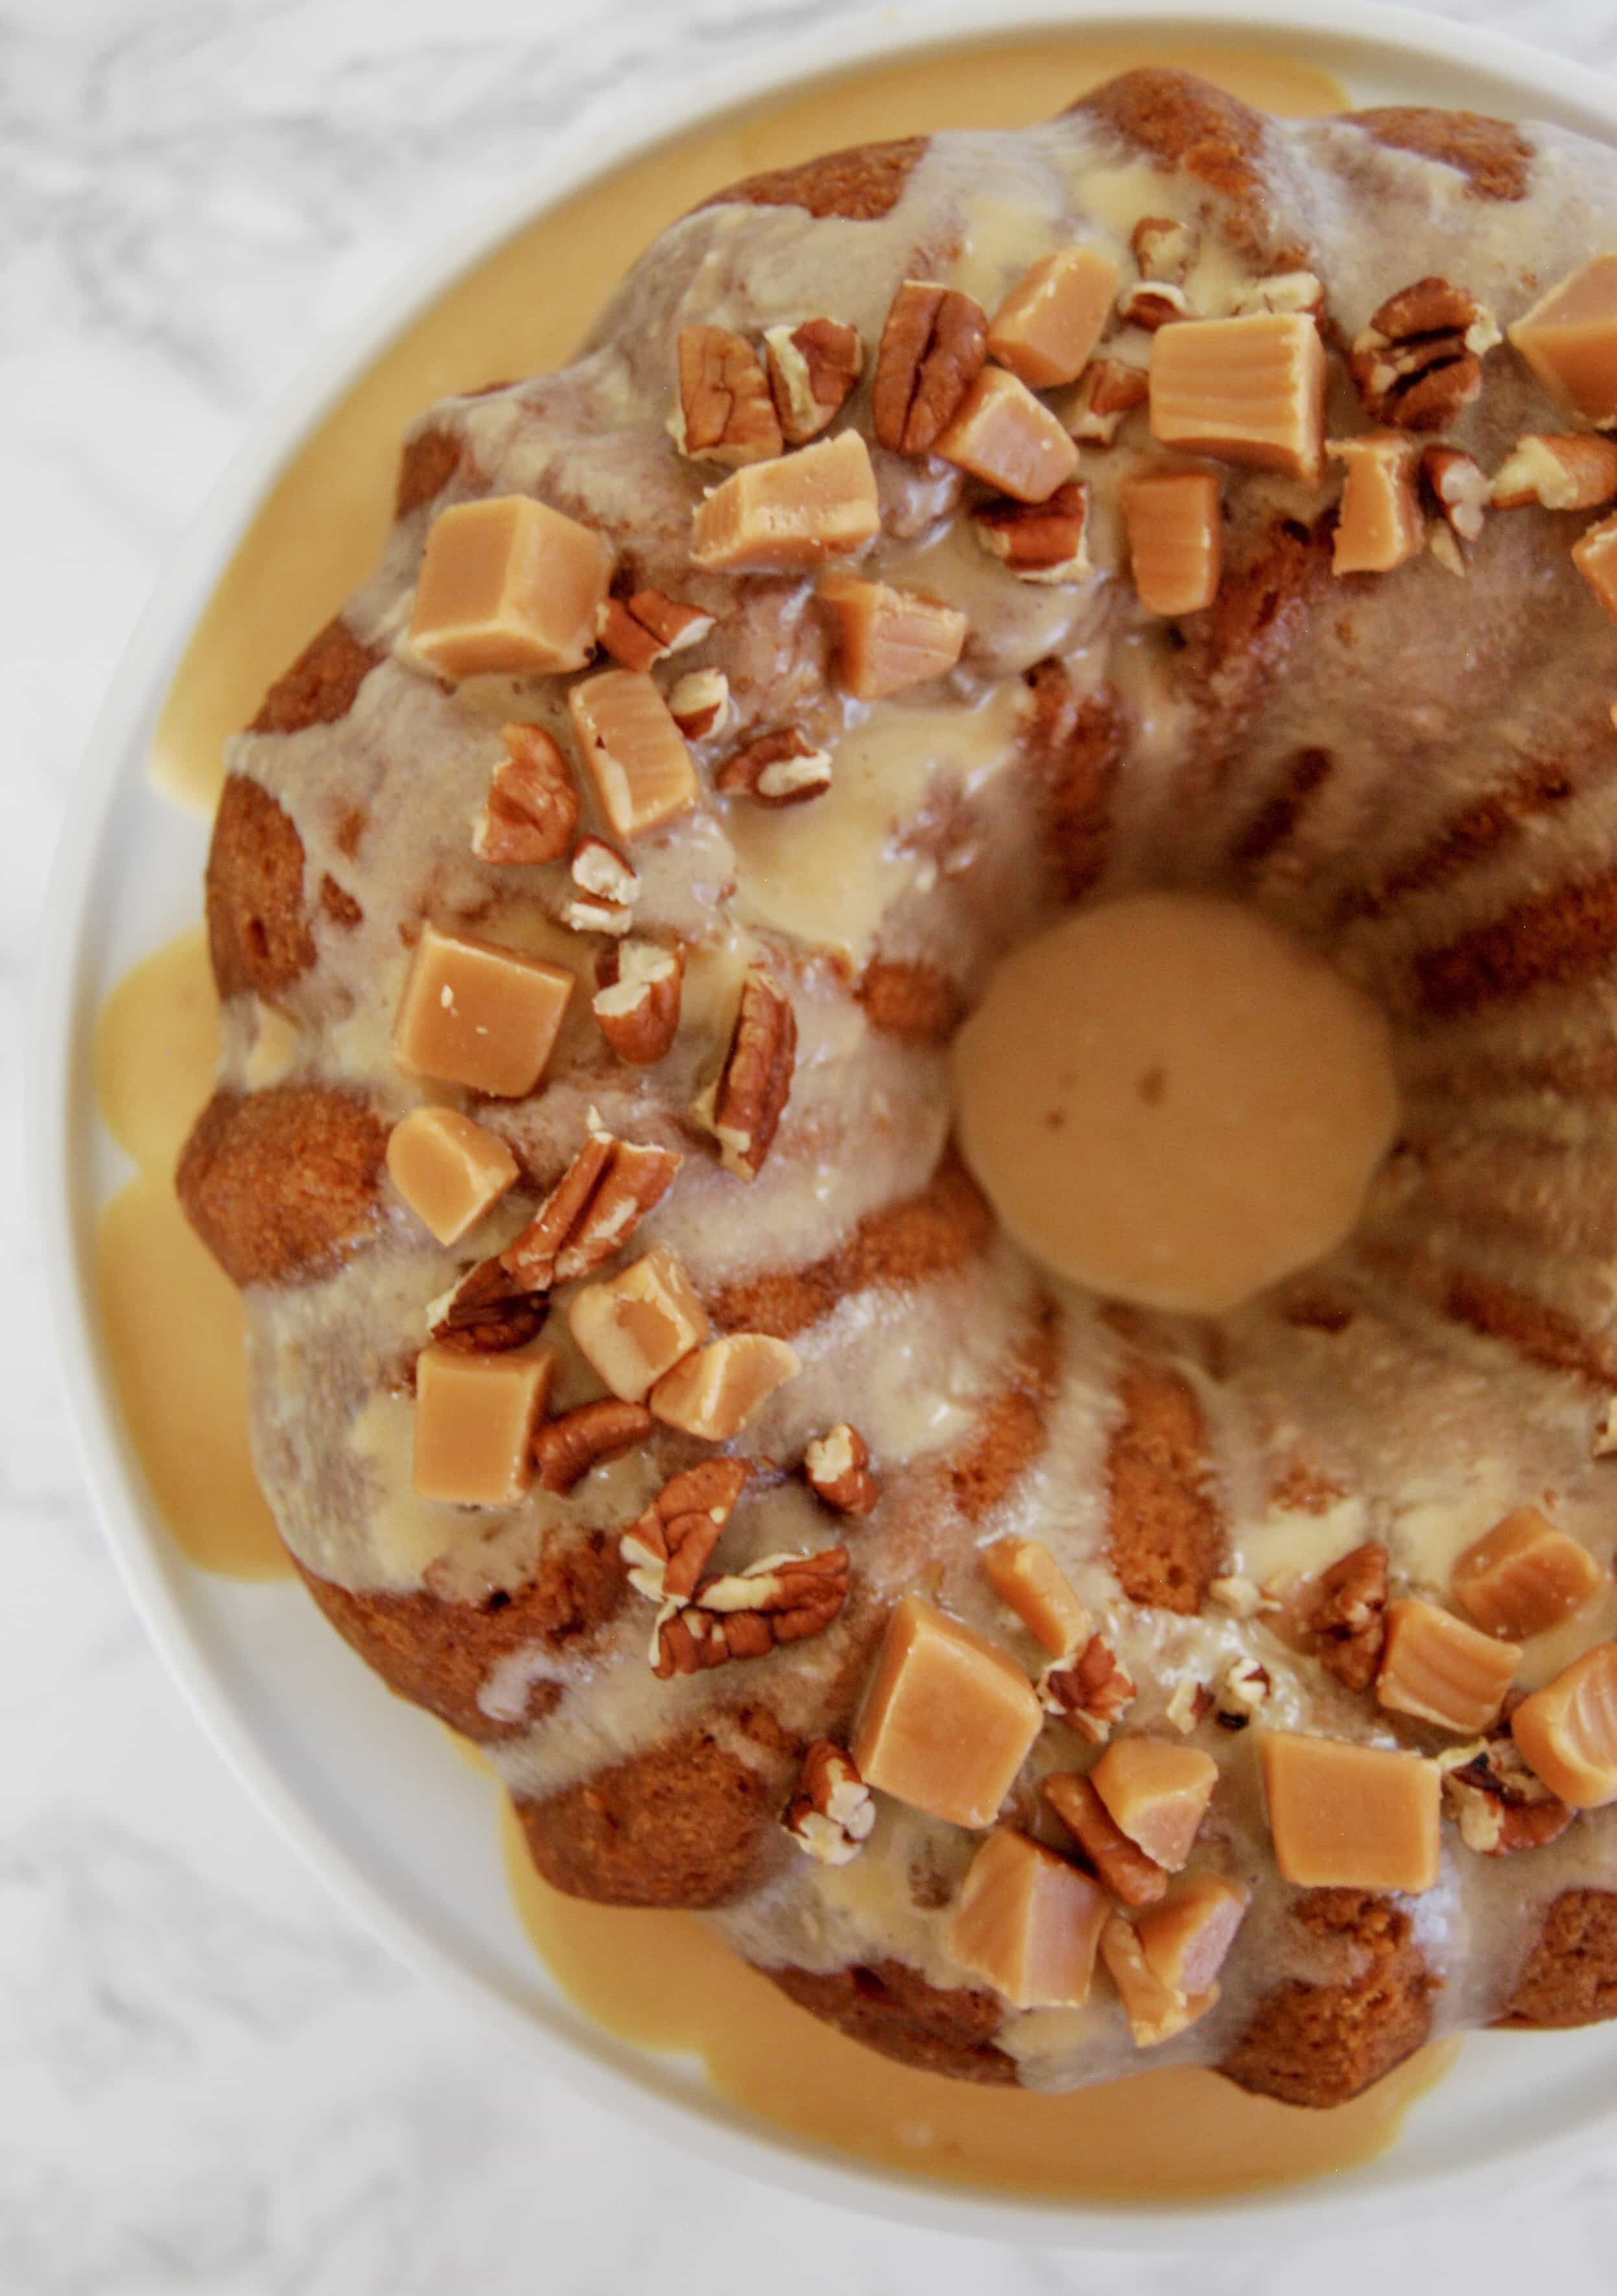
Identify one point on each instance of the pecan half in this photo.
(1107, 390)
(1089, 1690)
(565, 1448)
(1133, 1878)
(667, 1548)
(648, 625)
(725, 412)
(932, 351)
(488, 1310)
(1348, 1617)
(637, 1007)
(743, 1108)
(780, 1599)
(1420, 359)
(812, 368)
(831, 1813)
(592, 1211)
(532, 811)
(1039, 542)
(836, 1468)
(1496, 1802)
(777, 769)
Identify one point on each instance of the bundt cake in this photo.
(929, 543)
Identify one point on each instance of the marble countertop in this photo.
(211, 2078)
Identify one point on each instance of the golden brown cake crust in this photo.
(321, 685)
(439, 1653)
(1320, 2045)
(1167, 1537)
(1184, 122)
(859, 185)
(1493, 155)
(1571, 1976)
(890, 2007)
(278, 1183)
(258, 928)
(1077, 744)
(429, 460)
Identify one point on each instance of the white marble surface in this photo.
(209, 2079)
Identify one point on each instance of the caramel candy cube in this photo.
(508, 584)
(1569, 339)
(1157, 1794)
(1006, 436)
(1525, 1577)
(1175, 549)
(477, 1016)
(1567, 1733)
(1380, 524)
(1052, 319)
(1249, 390)
(796, 511)
(1029, 1922)
(474, 1421)
(1186, 1936)
(715, 1392)
(1156, 2012)
(947, 1720)
(638, 1324)
(1025, 1574)
(636, 753)
(1595, 555)
(890, 638)
(1349, 1816)
(1438, 1669)
(448, 1169)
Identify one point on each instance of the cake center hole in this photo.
(1172, 1101)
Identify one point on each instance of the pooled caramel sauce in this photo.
(1171, 1101)
(663, 1981)
(521, 310)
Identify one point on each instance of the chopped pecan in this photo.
(667, 1548)
(1107, 390)
(1164, 248)
(932, 351)
(488, 1310)
(1282, 290)
(742, 1108)
(836, 1468)
(1153, 303)
(1496, 1802)
(1420, 359)
(637, 1006)
(831, 1813)
(1458, 485)
(699, 703)
(531, 810)
(1560, 470)
(599, 870)
(1039, 542)
(1133, 1878)
(648, 625)
(1348, 1618)
(565, 1448)
(1188, 1701)
(779, 1599)
(725, 412)
(1242, 1688)
(1089, 1690)
(812, 368)
(592, 1211)
(777, 769)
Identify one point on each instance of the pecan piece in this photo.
(1107, 390)
(1089, 1690)
(601, 871)
(638, 1005)
(1281, 290)
(1039, 542)
(1164, 248)
(1420, 359)
(1153, 303)
(531, 810)
(1133, 1878)
(725, 412)
(1458, 485)
(565, 1448)
(648, 625)
(667, 1548)
(592, 1211)
(776, 769)
(932, 351)
(812, 368)
(1242, 1688)
(488, 1310)
(699, 703)
(779, 1599)
(1349, 1619)
(831, 1813)
(742, 1108)
(836, 1468)
(1496, 1802)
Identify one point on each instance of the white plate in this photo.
(370, 1790)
